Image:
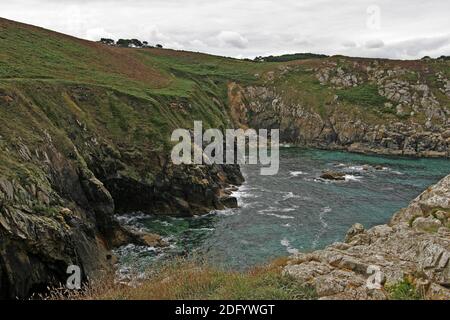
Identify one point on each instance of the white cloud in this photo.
(197, 43)
(407, 28)
(95, 34)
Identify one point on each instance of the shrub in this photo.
(403, 290)
(109, 42)
(290, 57)
(366, 95)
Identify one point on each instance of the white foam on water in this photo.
(350, 177)
(281, 216)
(357, 168)
(287, 209)
(289, 195)
(318, 180)
(226, 212)
(321, 217)
(285, 243)
(324, 224)
(164, 223)
(269, 209)
(270, 212)
(203, 229)
(131, 218)
(297, 173)
(322, 214)
(243, 193)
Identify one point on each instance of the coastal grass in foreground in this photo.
(190, 280)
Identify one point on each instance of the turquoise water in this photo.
(294, 210)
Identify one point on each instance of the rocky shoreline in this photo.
(357, 105)
(414, 245)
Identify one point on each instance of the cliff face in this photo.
(73, 156)
(359, 105)
(414, 245)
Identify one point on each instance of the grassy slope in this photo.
(182, 279)
(49, 82)
(30, 55)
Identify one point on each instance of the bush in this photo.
(124, 43)
(290, 57)
(109, 42)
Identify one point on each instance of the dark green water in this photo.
(293, 210)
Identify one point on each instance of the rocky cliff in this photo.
(414, 245)
(64, 178)
(360, 105)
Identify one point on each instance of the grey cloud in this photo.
(374, 44)
(416, 46)
(233, 39)
(349, 44)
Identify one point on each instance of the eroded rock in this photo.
(398, 250)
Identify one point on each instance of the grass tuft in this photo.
(403, 290)
(365, 95)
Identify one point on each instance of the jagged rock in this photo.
(229, 202)
(398, 250)
(426, 224)
(357, 228)
(152, 240)
(333, 175)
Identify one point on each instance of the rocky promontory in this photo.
(414, 245)
(359, 105)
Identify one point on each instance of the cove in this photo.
(292, 211)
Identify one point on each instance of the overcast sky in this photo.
(405, 29)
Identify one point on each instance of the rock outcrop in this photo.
(415, 244)
(332, 175)
(362, 106)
